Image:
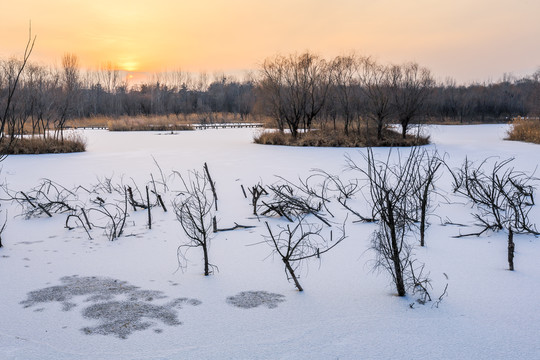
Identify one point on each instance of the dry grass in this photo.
(465, 121)
(527, 130)
(267, 121)
(332, 138)
(91, 122)
(39, 145)
(164, 123)
(147, 124)
(136, 123)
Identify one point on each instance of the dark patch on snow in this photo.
(121, 318)
(120, 307)
(28, 242)
(67, 306)
(252, 299)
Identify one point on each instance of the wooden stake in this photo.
(149, 212)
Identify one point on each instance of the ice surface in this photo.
(346, 311)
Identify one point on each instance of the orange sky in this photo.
(469, 40)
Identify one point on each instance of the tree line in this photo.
(298, 91)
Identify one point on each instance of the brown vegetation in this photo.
(147, 124)
(527, 130)
(163, 122)
(335, 138)
(39, 145)
(89, 122)
(468, 121)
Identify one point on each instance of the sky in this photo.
(467, 40)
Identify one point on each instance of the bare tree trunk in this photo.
(423, 210)
(205, 253)
(511, 247)
(398, 271)
(293, 275)
(379, 129)
(400, 285)
(1, 231)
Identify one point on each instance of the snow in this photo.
(346, 311)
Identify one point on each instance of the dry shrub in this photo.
(525, 130)
(40, 145)
(332, 138)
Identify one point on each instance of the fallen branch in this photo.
(236, 226)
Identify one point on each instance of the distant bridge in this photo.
(226, 125)
(195, 126)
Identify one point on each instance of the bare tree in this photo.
(108, 80)
(411, 85)
(193, 208)
(344, 75)
(425, 177)
(71, 82)
(390, 188)
(376, 85)
(47, 100)
(11, 83)
(109, 75)
(295, 88)
(502, 196)
(272, 91)
(300, 242)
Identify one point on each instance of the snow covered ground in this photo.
(54, 282)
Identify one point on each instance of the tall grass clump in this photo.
(38, 145)
(527, 130)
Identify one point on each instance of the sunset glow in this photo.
(468, 40)
(128, 66)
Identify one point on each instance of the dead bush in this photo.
(527, 130)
